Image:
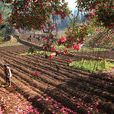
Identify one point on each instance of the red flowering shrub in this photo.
(75, 36)
(35, 13)
(36, 75)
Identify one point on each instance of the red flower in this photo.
(111, 27)
(53, 49)
(77, 47)
(62, 16)
(45, 39)
(51, 57)
(68, 46)
(15, 26)
(52, 28)
(70, 60)
(26, 6)
(36, 73)
(63, 39)
(43, 26)
(0, 16)
(65, 51)
(58, 41)
(87, 15)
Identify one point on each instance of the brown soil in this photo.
(59, 84)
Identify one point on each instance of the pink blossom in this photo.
(56, 106)
(88, 112)
(39, 99)
(78, 106)
(96, 103)
(26, 6)
(97, 110)
(47, 99)
(36, 112)
(62, 109)
(89, 108)
(31, 110)
(49, 109)
(61, 10)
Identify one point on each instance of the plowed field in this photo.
(61, 85)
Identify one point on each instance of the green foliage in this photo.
(1, 39)
(92, 65)
(31, 50)
(84, 49)
(74, 34)
(101, 11)
(5, 10)
(91, 30)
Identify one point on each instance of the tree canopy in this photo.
(35, 13)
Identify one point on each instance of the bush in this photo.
(31, 50)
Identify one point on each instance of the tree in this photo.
(36, 14)
(100, 11)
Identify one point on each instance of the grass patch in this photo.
(37, 52)
(32, 53)
(84, 49)
(92, 65)
(9, 44)
(60, 48)
(1, 39)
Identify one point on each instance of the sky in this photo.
(71, 4)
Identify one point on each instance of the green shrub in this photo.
(31, 50)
